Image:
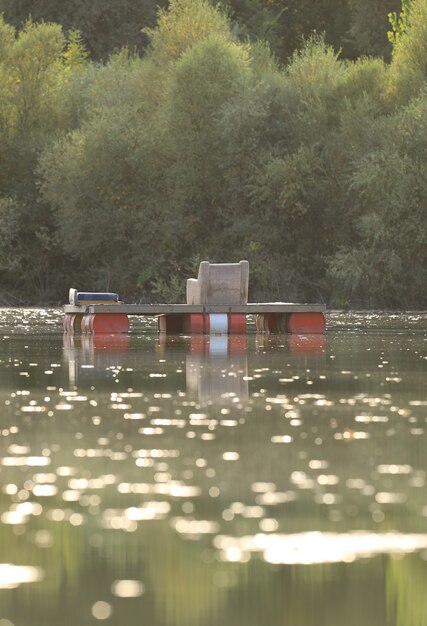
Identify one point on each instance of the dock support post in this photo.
(171, 324)
(271, 322)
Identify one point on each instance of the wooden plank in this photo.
(146, 309)
(135, 309)
(279, 307)
(160, 309)
(71, 308)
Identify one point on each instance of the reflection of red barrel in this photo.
(68, 341)
(197, 344)
(110, 343)
(307, 343)
(66, 322)
(237, 344)
(305, 323)
(105, 323)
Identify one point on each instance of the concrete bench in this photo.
(219, 283)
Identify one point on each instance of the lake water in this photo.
(188, 481)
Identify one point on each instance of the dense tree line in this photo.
(356, 27)
(125, 174)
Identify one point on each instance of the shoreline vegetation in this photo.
(152, 138)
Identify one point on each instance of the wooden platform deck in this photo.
(252, 308)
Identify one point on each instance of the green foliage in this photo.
(36, 103)
(354, 27)
(289, 184)
(256, 20)
(185, 23)
(409, 65)
(102, 181)
(105, 25)
(31, 265)
(389, 183)
(399, 22)
(314, 70)
(27, 76)
(205, 79)
(411, 46)
(365, 78)
(75, 55)
(297, 20)
(126, 174)
(314, 75)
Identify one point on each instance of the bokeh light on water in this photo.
(213, 481)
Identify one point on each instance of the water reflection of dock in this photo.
(93, 355)
(217, 369)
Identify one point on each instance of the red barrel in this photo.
(306, 323)
(236, 324)
(194, 323)
(108, 323)
(66, 322)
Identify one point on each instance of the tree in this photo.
(37, 79)
(410, 46)
(205, 79)
(315, 170)
(98, 179)
(388, 181)
(399, 22)
(106, 25)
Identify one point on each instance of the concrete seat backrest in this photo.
(219, 283)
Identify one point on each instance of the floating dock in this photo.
(272, 317)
